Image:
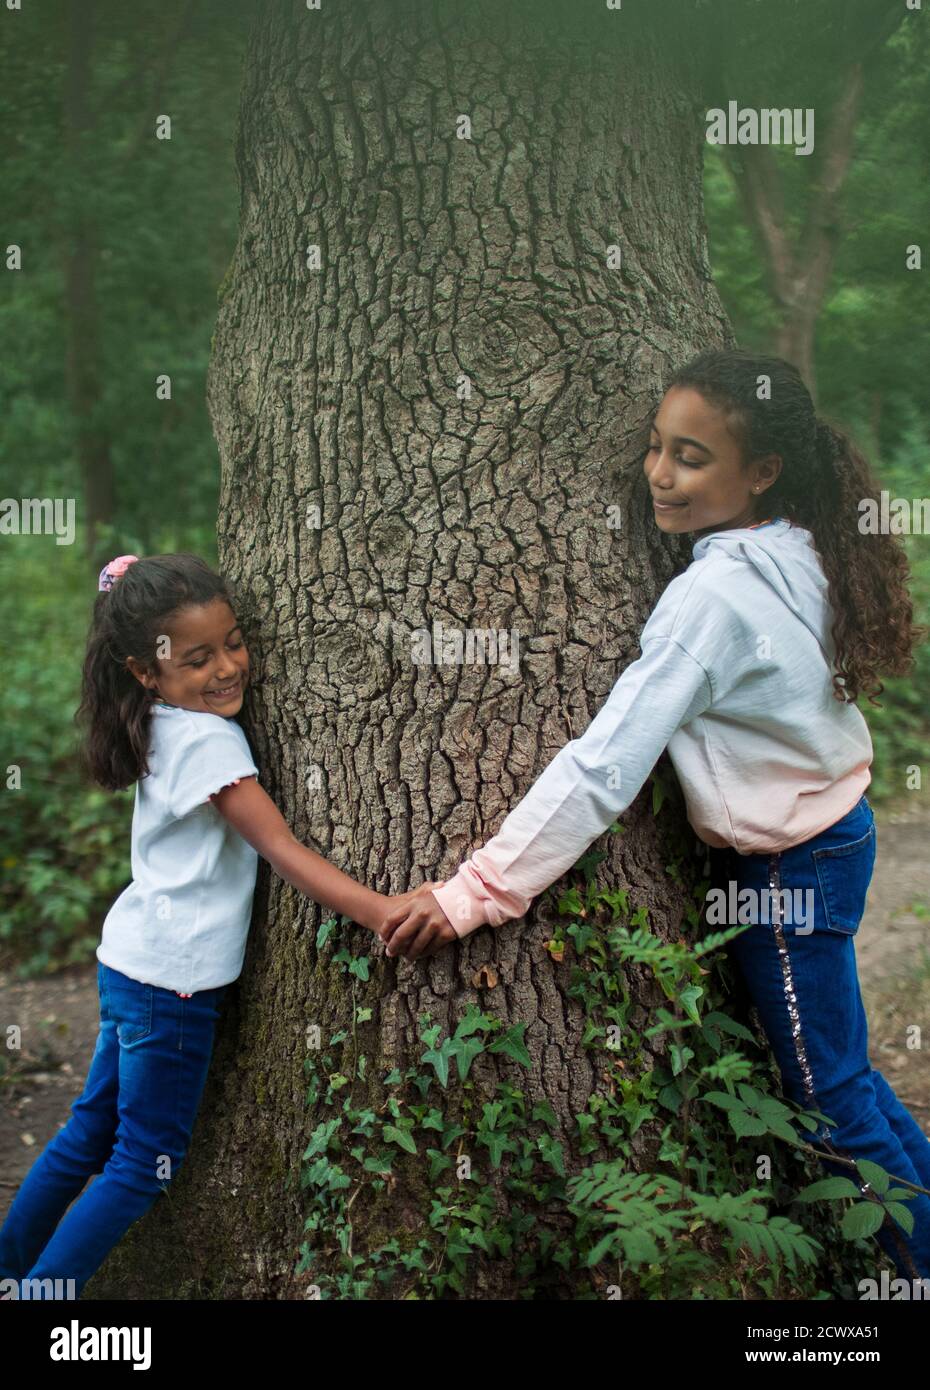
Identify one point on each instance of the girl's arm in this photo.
(587, 785)
(251, 811)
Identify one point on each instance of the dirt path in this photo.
(893, 952)
(58, 1015)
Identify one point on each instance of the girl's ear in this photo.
(141, 674)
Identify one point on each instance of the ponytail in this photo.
(115, 706)
(867, 572)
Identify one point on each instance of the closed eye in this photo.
(233, 647)
(689, 463)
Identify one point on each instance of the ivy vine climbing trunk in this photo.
(471, 243)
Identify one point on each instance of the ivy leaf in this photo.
(542, 1110)
(551, 1151)
(473, 1021)
(359, 966)
(570, 903)
(320, 1138)
(450, 1135)
(496, 1143)
(381, 1164)
(438, 1163)
(582, 933)
(466, 1050)
(491, 1113)
(401, 1137)
(513, 1045)
(438, 1058)
(324, 932)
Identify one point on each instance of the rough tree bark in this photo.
(336, 389)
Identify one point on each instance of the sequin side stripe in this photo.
(791, 998)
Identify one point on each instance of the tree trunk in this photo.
(446, 263)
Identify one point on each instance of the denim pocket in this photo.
(844, 873)
(130, 1003)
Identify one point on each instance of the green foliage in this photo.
(159, 218)
(65, 841)
(490, 1177)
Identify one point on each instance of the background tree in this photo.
(834, 55)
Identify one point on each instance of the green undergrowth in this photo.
(686, 1175)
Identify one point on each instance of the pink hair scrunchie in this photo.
(112, 571)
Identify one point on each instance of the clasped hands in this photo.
(414, 924)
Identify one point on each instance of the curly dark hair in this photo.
(127, 621)
(822, 482)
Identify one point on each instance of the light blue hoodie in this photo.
(735, 679)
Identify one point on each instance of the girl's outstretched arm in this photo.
(251, 811)
(586, 786)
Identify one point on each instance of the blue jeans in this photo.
(132, 1124)
(799, 964)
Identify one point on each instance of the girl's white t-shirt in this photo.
(182, 922)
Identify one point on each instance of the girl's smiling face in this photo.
(694, 466)
(208, 666)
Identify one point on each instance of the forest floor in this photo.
(59, 1015)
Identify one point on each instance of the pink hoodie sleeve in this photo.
(581, 792)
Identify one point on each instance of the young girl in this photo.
(164, 675)
(786, 605)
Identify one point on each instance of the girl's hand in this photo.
(417, 929)
(384, 902)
